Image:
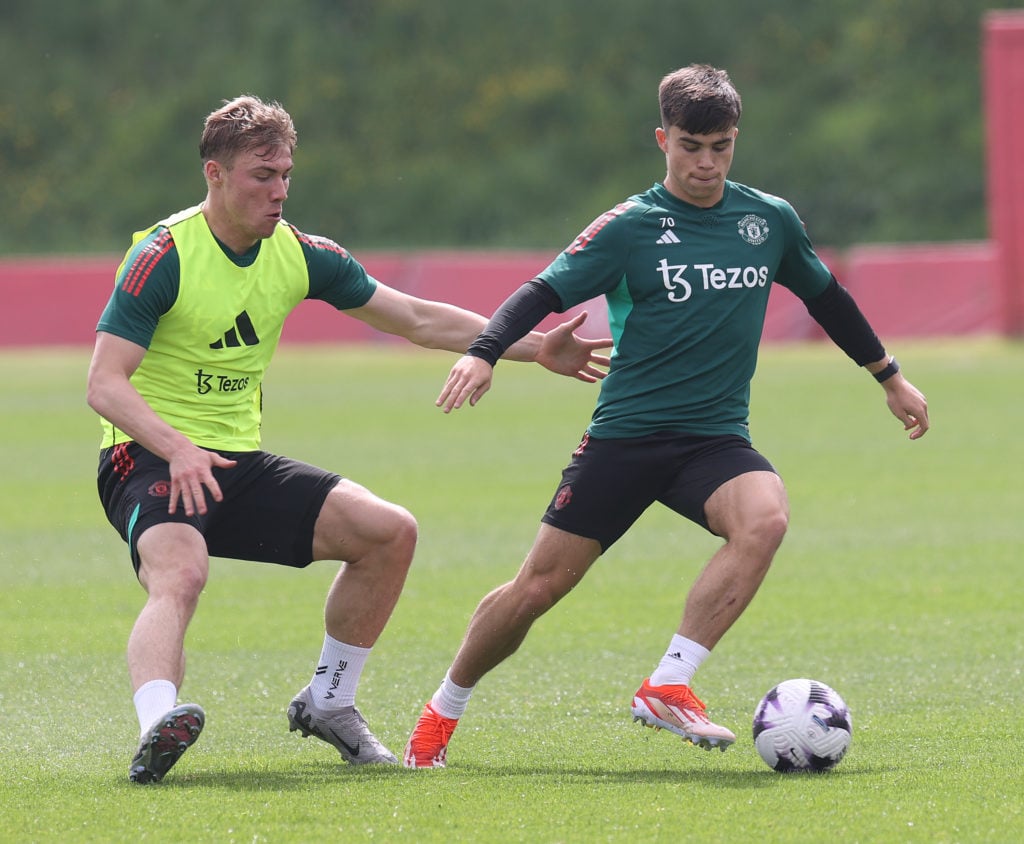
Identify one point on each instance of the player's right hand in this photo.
(191, 471)
(468, 380)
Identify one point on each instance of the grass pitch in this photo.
(899, 584)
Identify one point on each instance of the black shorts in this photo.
(610, 482)
(268, 513)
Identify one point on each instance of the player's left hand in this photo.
(907, 404)
(564, 352)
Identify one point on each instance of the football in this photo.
(802, 725)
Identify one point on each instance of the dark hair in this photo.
(699, 99)
(243, 124)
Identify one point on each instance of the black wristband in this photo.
(885, 374)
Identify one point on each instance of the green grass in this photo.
(899, 584)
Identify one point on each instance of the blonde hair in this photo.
(243, 124)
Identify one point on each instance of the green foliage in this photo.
(491, 124)
(898, 584)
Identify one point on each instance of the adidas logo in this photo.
(668, 237)
(242, 333)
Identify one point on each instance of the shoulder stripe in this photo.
(145, 261)
(317, 242)
(590, 232)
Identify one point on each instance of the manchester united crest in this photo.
(160, 489)
(753, 229)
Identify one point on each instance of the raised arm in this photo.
(561, 350)
(438, 325)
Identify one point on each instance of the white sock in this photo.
(153, 700)
(450, 700)
(680, 663)
(337, 674)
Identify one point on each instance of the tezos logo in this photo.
(205, 383)
(753, 229)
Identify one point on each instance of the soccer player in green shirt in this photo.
(181, 349)
(686, 269)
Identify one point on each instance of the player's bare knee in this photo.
(773, 526)
(355, 524)
(536, 596)
(761, 532)
(405, 534)
(183, 583)
(393, 539)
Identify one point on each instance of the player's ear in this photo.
(661, 138)
(212, 171)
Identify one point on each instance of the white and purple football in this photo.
(802, 725)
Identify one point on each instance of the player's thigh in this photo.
(172, 557)
(556, 562)
(703, 490)
(270, 508)
(608, 484)
(354, 521)
(559, 558)
(752, 504)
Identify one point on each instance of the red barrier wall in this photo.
(927, 290)
(1003, 60)
(53, 301)
(906, 291)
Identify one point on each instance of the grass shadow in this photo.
(298, 778)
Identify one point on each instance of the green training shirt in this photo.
(687, 290)
(211, 320)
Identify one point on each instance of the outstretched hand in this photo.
(563, 352)
(560, 351)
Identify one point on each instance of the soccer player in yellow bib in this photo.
(181, 349)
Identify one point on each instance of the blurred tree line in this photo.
(487, 123)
